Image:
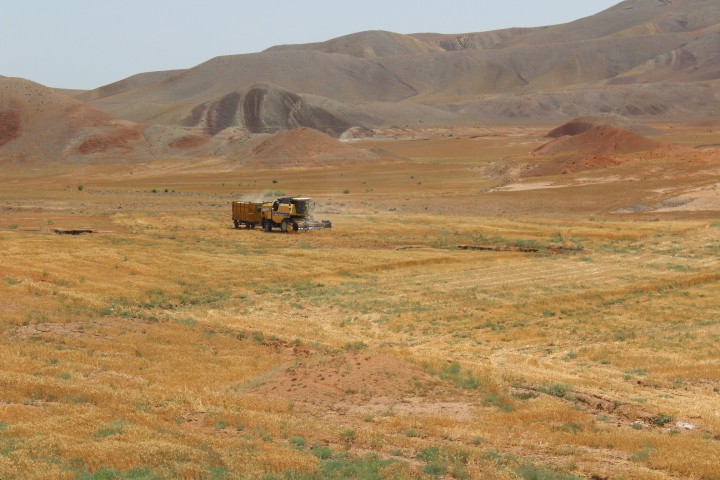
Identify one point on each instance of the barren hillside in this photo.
(37, 123)
(659, 57)
(264, 108)
(306, 147)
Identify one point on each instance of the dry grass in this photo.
(169, 345)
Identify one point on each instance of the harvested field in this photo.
(568, 340)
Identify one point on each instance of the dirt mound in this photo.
(353, 379)
(303, 147)
(577, 126)
(598, 140)
(583, 124)
(580, 145)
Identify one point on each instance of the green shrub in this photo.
(531, 471)
(556, 389)
(322, 452)
(113, 474)
(439, 461)
(349, 437)
(661, 419)
(370, 467)
(298, 442)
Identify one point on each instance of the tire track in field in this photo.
(574, 274)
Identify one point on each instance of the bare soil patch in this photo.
(10, 127)
(354, 378)
(305, 147)
(598, 141)
(364, 383)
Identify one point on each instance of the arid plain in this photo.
(581, 341)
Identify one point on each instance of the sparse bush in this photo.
(454, 373)
(439, 461)
(572, 427)
(530, 471)
(113, 474)
(661, 419)
(113, 428)
(188, 322)
(298, 442)
(356, 346)
(322, 452)
(370, 467)
(642, 455)
(349, 437)
(556, 389)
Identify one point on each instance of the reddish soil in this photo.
(305, 147)
(10, 127)
(569, 164)
(354, 378)
(121, 138)
(601, 141)
(188, 142)
(575, 127)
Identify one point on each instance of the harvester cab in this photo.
(291, 214)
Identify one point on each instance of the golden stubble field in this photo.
(580, 343)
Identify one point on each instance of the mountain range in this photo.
(649, 60)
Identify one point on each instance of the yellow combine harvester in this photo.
(289, 214)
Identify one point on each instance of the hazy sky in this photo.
(90, 43)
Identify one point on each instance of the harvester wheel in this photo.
(295, 227)
(267, 226)
(284, 226)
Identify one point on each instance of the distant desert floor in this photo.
(480, 309)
